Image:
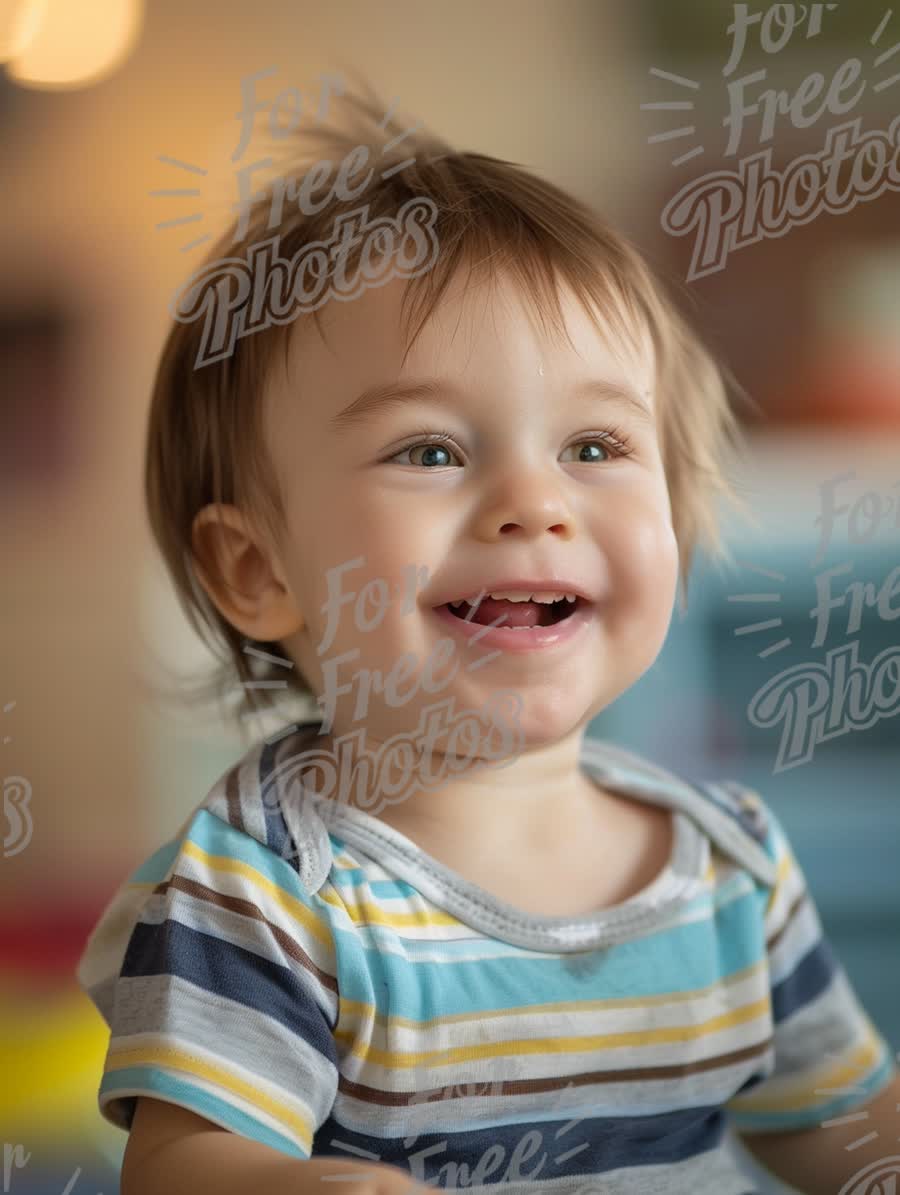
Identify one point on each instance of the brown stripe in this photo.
(233, 799)
(246, 908)
(399, 1099)
(776, 938)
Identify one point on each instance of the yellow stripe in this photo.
(821, 1080)
(548, 1045)
(168, 1056)
(364, 913)
(290, 904)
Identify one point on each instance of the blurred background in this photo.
(625, 104)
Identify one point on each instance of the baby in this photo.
(429, 934)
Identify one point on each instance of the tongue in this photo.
(515, 614)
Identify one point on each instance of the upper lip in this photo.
(520, 585)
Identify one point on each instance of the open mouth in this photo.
(504, 612)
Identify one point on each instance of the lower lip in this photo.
(532, 639)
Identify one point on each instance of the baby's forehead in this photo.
(489, 323)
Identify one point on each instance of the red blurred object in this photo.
(845, 384)
(46, 941)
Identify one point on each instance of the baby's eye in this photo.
(434, 454)
(591, 450)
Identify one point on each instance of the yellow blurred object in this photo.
(78, 44)
(19, 23)
(53, 1045)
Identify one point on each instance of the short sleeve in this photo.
(828, 1056)
(221, 996)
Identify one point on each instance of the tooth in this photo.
(570, 597)
(546, 597)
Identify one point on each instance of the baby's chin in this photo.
(507, 722)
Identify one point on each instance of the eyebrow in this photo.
(376, 399)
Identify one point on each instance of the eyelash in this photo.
(613, 438)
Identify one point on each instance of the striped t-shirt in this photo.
(300, 973)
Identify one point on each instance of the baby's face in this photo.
(531, 486)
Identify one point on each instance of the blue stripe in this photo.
(149, 1081)
(810, 978)
(155, 869)
(225, 970)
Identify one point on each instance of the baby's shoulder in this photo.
(732, 815)
(260, 796)
(742, 804)
(740, 823)
(221, 859)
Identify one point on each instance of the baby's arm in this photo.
(173, 1151)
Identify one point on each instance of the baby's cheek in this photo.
(645, 575)
(666, 551)
(645, 540)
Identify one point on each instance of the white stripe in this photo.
(797, 940)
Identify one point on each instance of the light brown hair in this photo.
(205, 440)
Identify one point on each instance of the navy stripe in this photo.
(809, 979)
(754, 1081)
(611, 1143)
(225, 970)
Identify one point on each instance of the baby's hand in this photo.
(394, 1181)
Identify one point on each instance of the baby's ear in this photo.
(241, 574)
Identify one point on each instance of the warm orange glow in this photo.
(19, 23)
(78, 44)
